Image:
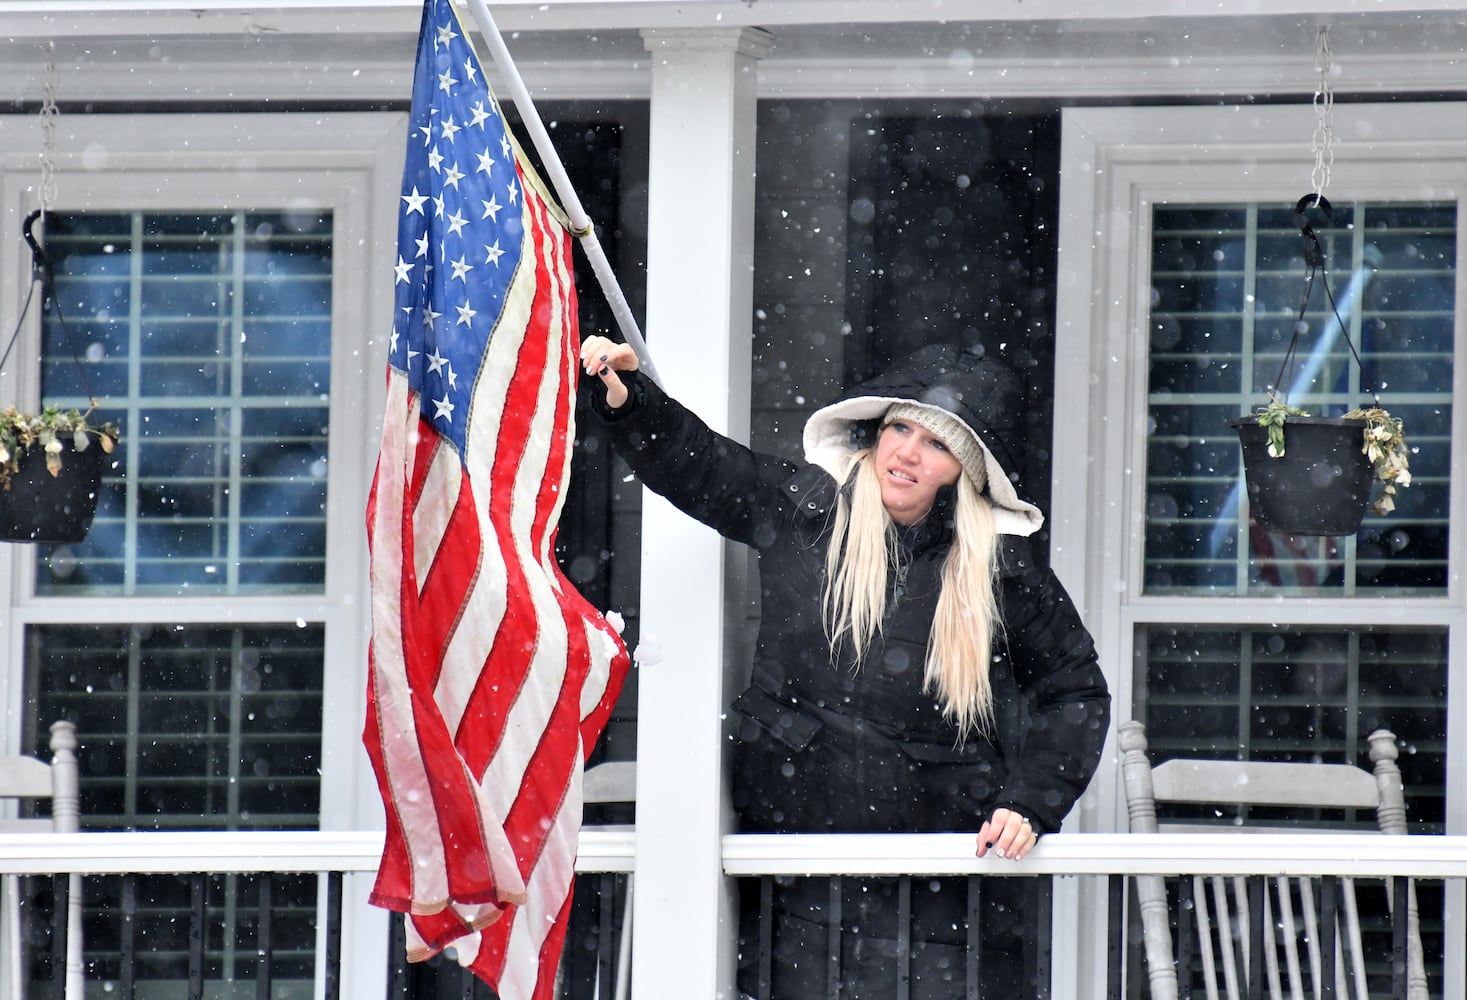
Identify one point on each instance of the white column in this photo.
(700, 222)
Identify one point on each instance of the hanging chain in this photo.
(49, 114)
(1324, 112)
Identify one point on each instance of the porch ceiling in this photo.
(334, 50)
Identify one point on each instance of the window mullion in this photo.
(1249, 365)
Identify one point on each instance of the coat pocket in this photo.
(761, 714)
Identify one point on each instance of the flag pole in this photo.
(580, 223)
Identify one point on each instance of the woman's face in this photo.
(912, 464)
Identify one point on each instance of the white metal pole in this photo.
(581, 225)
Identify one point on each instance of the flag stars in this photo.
(422, 245)
(443, 410)
(414, 202)
(429, 316)
(461, 269)
(456, 223)
(445, 37)
(435, 160)
(514, 193)
(470, 70)
(403, 270)
(466, 314)
(494, 253)
(438, 206)
(504, 144)
(436, 362)
(446, 81)
(491, 209)
(452, 176)
(481, 115)
(448, 129)
(486, 162)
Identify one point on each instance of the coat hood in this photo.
(979, 391)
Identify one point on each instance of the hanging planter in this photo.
(1318, 477)
(50, 474)
(1319, 485)
(50, 462)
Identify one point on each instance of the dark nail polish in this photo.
(605, 371)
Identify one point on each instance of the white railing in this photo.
(1363, 855)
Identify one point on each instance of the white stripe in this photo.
(401, 752)
(434, 508)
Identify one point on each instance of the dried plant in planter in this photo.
(54, 431)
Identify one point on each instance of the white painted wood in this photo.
(1362, 855)
(59, 781)
(699, 306)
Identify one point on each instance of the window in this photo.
(208, 637)
(1186, 277)
(1227, 283)
(208, 340)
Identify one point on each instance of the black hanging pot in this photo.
(1321, 484)
(39, 507)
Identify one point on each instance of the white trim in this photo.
(1360, 854)
(1363, 855)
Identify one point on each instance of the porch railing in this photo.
(1101, 861)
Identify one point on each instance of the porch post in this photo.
(700, 222)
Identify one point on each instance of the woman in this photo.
(916, 670)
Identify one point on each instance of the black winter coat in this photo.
(824, 747)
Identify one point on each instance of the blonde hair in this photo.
(862, 550)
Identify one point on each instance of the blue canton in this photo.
(459, 236)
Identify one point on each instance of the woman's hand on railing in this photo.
(1008, 833)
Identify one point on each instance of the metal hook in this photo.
(40, 263)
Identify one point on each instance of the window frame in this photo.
(350, 164)
(1117, 163)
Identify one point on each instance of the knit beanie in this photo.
(950, 431)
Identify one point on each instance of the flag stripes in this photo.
(490, 676)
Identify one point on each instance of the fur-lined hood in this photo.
(979, 391)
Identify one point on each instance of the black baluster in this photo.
(1328, 933)
(832, 960)
(129, 937)
(975, 921)
(1039, 897)
(397, 964)
(766, 935)
(1255, 937)
(904, 938)
(1186, 936)
(196, 939)
(1115, 946)
(262, 939)
(1400, 928)
(333, 935)
(61, 893)
(605, 937)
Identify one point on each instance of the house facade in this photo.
(793, 194)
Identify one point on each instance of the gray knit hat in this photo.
(950, 431)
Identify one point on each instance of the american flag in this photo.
(490, 676)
